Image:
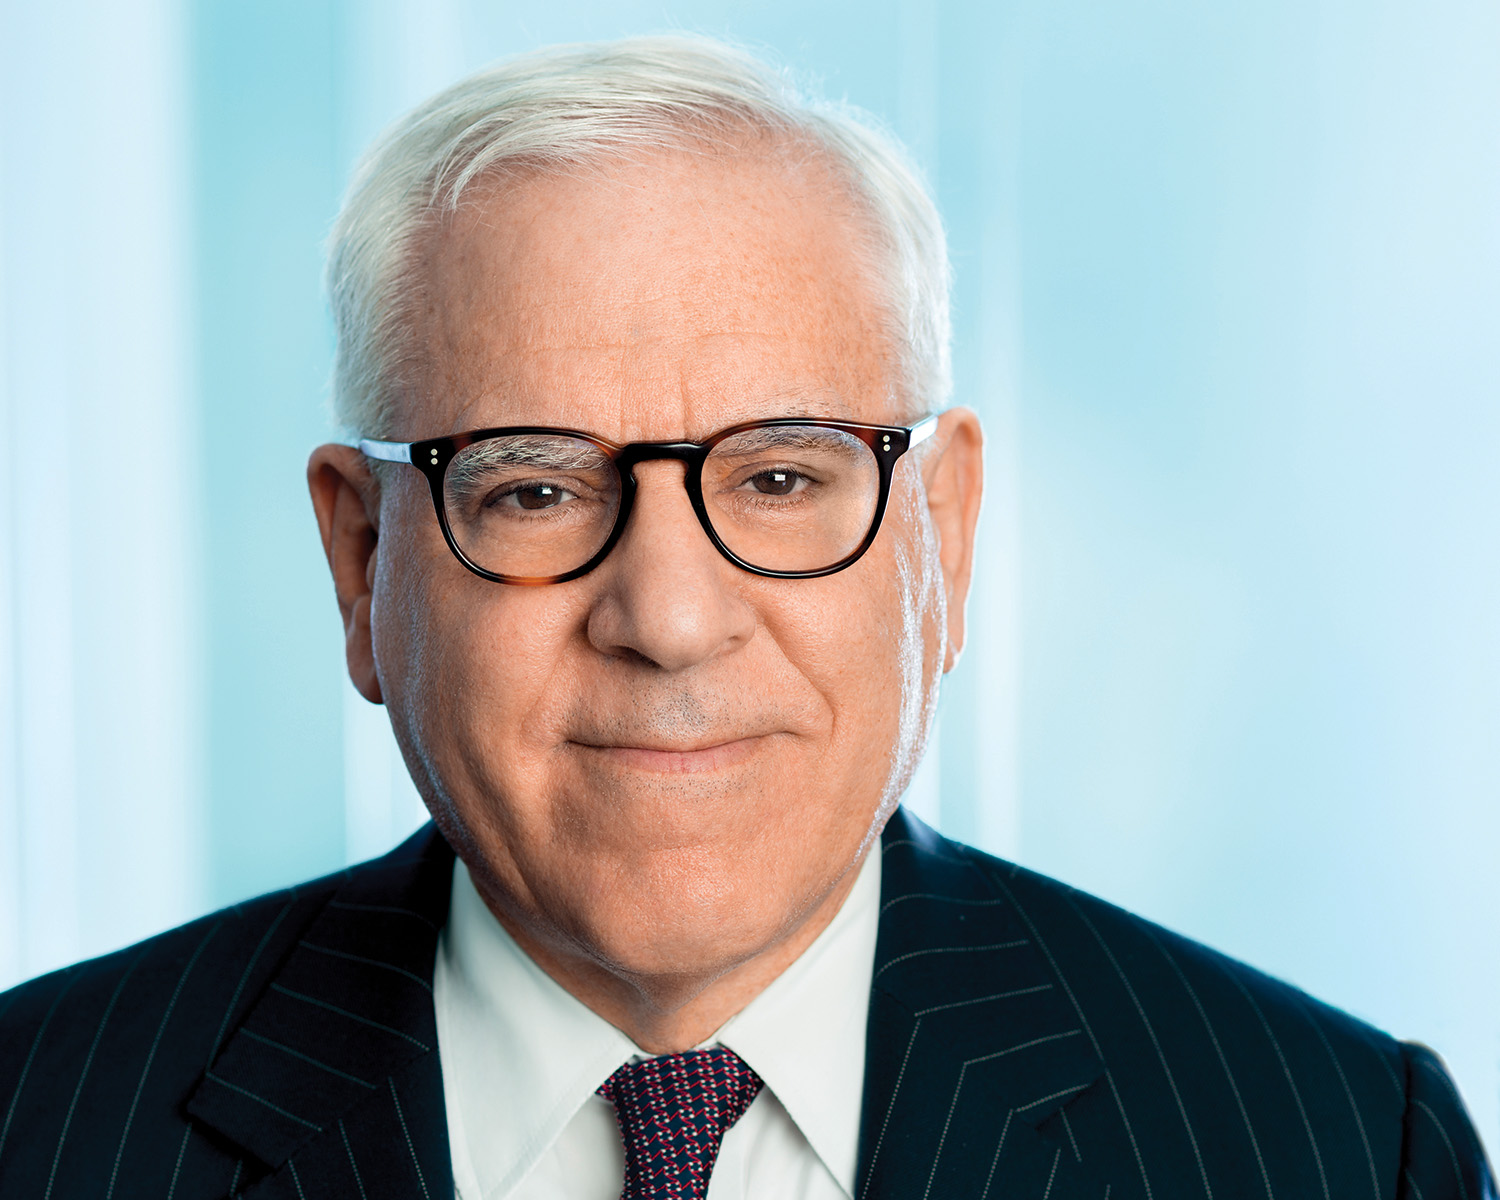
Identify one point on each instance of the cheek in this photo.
(871, 639)
(844, 633)
(469, 668)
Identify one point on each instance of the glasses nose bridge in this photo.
(689, 454)
(633, 453)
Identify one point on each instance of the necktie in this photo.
(673, 1113)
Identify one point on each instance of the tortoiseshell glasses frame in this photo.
(434, 456)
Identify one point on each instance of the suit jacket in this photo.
(1025, 1041)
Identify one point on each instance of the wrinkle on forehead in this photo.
(659, 300)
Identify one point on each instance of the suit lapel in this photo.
(333, 1080)
(974, 1051)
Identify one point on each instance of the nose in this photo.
(667, 596)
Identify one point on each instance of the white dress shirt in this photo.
(521, 1058)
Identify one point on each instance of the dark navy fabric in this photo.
(1025, 1041)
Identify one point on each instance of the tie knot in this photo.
(673, 1113)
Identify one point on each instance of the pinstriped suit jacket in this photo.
(1025, 1041)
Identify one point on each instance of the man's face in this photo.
(667, 764)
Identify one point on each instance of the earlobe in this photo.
(346, 499)
(954, 477)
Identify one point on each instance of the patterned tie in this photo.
(673, 1113)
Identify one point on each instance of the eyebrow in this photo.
(544, 452)
(536, 449)
(791, 438)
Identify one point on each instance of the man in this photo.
(655, 544)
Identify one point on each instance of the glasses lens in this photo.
(792, 497)
(531, 505)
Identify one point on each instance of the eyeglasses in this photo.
(790, 498)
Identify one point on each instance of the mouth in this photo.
(666, 759)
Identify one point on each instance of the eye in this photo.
(778, 481)
(532, 496)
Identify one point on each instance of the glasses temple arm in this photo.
(385, 451)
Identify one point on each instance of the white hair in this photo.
(567, 107)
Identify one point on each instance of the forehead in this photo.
(656, 298)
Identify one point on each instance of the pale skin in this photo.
(663, 775)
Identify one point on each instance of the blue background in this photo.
(1228, 298)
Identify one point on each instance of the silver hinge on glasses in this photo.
(385, 451)
(921, 431)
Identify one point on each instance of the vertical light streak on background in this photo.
(39, 382)
(917, 105)
(266, 181)
(136, 539)
(101, 787)
(11, 880)
(996, 347)
(977, 111)
(393, 55)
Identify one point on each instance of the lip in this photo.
(665, 760)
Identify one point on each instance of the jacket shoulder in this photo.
(1151, 967)
(252, 934)
(1248, 1075)
(97, 1059)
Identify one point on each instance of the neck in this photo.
(670, 1013)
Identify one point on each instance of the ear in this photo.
(953, 472)
(346, 498)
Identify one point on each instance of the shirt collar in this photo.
(804, 1035)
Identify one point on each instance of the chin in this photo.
(703, 930)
